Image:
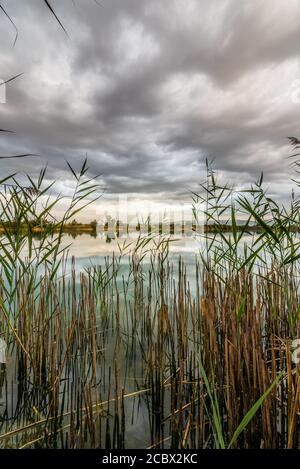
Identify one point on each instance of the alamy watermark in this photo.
(3, 352)
(168, 219)
(295, 347)
(2, 91)
(295, 91)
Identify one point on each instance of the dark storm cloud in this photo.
(148, 89)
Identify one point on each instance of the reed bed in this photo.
(99, 360)
(151, 354)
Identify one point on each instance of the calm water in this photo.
(88, 249)
(92, 251)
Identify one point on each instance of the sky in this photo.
(148, 89)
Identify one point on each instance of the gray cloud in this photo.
(148, 90)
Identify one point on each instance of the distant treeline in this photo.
(80, 228)
(41, 227)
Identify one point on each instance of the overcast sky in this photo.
(150, 88)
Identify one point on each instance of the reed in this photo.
(96, 362)
(155, 357)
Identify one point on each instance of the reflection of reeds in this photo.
(102, 353)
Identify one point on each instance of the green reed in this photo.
(153, 357)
